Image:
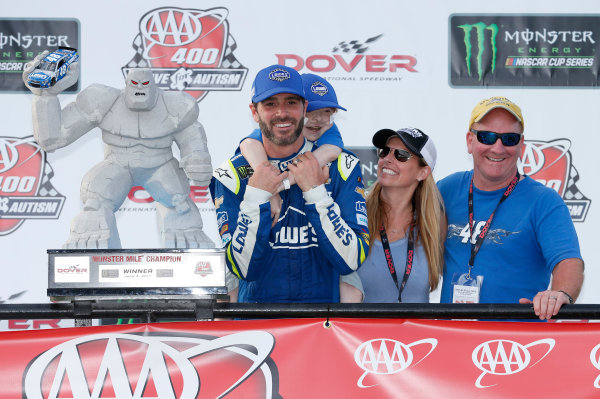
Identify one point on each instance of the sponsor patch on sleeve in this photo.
(360, 190)
(361, 207)
(226, 174)
(365, 237)
(225, 238)
(346, 164)
(224, 229)
(218, 202)
(221, 218)
(362, 220)
(244, 171)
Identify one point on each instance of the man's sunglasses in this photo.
(490, 138)
(400, 154)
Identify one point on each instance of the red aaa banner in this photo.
(357, 358)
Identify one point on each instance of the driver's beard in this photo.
(287, 140)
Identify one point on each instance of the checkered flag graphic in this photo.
(229, 60)
(138, 61)
(571, 191)
(46, 187)
(355, 46)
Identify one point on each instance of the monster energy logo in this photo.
(244, 171)
(480, 29)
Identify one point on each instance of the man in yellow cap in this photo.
(508, 235)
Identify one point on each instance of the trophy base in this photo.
(96, 274)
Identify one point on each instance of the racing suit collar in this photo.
(282, 163)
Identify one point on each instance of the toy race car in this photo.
(53, 67)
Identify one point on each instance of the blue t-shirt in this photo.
(531, 232)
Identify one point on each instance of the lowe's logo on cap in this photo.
(279, 75)
(319, 89)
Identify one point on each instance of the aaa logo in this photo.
(188, 50)
(595, 359)
(132, 366)
(25, 188)
(550, 163)
(385, 356)
(503, 357)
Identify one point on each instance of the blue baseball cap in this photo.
(276, 79)
(319, 93)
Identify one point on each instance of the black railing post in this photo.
(82, 313)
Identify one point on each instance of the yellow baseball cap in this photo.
(491, 103)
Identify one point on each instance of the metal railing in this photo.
(207, 309)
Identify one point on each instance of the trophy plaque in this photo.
(90, 274)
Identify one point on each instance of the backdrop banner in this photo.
(304, 358)
(392, 63)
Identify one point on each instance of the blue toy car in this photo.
(53, 67)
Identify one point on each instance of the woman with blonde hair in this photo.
(406, 220)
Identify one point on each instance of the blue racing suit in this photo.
(320, 234)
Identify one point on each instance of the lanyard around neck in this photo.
(390, 261)
(475, 247)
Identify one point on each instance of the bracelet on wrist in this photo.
(568, 296)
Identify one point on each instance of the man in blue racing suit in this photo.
(322, 229)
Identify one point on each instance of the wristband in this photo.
(286, 183)
(568, 296)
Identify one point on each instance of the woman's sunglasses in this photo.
(490, 138)
(400, 154)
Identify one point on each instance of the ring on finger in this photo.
(554, 297)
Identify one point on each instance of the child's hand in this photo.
(275, 208)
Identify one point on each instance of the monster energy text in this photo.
(549, 36)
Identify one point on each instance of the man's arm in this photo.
(253, 151)
(568, 276)
(255, 154)
(557, 238)
(567, 279)
(341, 226)
(243, 216)
(327, 153)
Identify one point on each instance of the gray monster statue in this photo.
(139, 125)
